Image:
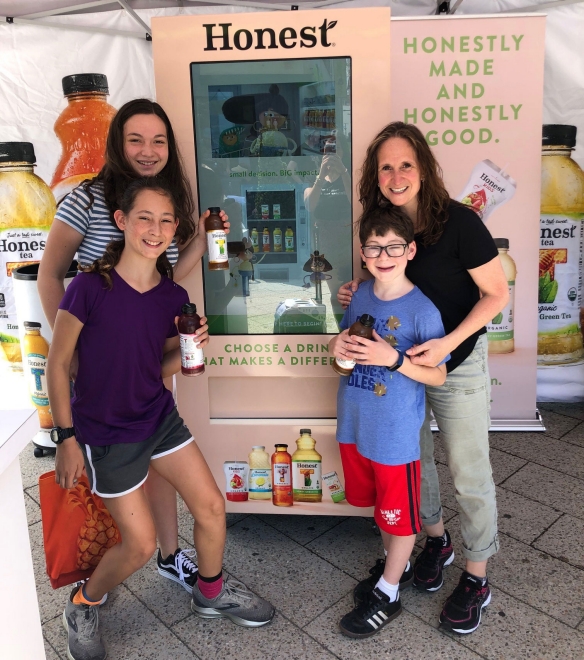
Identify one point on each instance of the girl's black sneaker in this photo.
(462, 611)
(437, 554)
(373, 614)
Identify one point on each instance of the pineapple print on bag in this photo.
(98, 533)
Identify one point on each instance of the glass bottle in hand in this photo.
(363, 327)
(216, 240)
(192, 362)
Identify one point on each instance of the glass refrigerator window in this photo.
(273, 145)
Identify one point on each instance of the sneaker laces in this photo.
(186, 558)
(431, 551)
(464, 595)
(91, 622)
(237, 591)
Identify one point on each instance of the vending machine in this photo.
(273, 113)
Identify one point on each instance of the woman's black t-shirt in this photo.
(441, 272)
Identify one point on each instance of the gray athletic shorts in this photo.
(116, 470)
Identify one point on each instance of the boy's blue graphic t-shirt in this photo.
(379, 410)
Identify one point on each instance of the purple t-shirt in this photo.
(119, 393)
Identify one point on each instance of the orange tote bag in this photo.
(77, 530)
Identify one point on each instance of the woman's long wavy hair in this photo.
(117, 173)
(114, 249)
(433, 198)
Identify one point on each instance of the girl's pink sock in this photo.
(210, 588)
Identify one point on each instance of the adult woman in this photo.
(140, 143)
(457, 267)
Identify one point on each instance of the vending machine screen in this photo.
(273, 150)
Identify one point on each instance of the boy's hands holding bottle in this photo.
(69, 463)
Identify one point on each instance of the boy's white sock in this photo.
(390, 590)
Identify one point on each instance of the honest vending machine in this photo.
(273, 113)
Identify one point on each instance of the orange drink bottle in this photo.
(35, 350)
(82, 129)
(282, 477)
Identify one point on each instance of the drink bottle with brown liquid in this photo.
(192, 361)
(363, 327)
(216, 240)
(282, 477)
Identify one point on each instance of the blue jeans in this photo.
(461, 409)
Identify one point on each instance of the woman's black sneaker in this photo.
(462, 611)
(368, 618)
(367, 585)
(437, 554)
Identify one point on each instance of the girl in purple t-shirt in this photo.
(120, 314)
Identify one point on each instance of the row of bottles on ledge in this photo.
(317, 118)
(283, 478)
(273, 240)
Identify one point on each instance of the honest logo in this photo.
(219, 34)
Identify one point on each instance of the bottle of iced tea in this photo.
(289, 239)
(216, 240)
(260, 474)
(500, 334)
(277, 240)
(192, 361)
(363, 327)
(282, 477)
(82, 129)
(35, 350)
(255, 239)
(306, 469)
(266, 240)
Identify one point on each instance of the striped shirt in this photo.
(92, 221)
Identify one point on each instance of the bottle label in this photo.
(307, 477)
(289, 243)
(191, 356)
(346, 364)
(265, 239)
(281, 474)
(217, 246)
(18, 247)
(36, 369)
(277, 242)
(260, 480)
(560, 278)
(501, 327)
(254, 240)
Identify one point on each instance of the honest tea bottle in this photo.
(306, 469)
(192, 361)
(35, 350)
(561, 230)
(82, 129)
(282, 477)
(500, 329)
(26, 213)
(363, 327)
(216, 240)
(260, 474)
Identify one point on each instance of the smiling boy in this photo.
(381, 407)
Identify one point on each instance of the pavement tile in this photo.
(509, 630)
(545, 583)
(522, 518)
(575, 436)
(130, 632)
(301, 529)
(31, 468)
(542, 449)
(33, 509)
(564, 541)
(166, 599)
(557, 425)
(300, 584)
(50, 652)
(405, 638)
(575, 410)
(549, 487)
(218, 639)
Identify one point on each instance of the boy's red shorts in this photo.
(394, 490)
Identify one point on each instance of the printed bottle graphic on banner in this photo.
(560, 254)
(27, 209)
(487, 188)
(500, 334)
(82, 129)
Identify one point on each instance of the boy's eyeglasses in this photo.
(393, 250)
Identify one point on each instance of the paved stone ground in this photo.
(308, 567)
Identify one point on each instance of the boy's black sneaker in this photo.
(428, 566)
(181, 567)
(462, 611)
(368, 584)
(368, 618)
